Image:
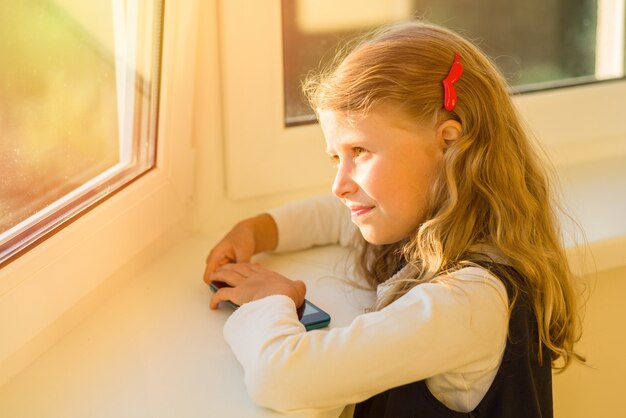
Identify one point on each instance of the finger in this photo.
(215, 260)
(220, 295)
(230, 277)
(244, 269)
(301, 286)
(301, 289)
(258, 268)
(211, 269)
(218, 252)
(242, 255)
(207, 274)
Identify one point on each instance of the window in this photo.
(78, 93)
(48, 289)
(536, 44)
(291, 158)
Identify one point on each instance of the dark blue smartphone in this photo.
(309, 315)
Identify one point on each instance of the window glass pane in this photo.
(78, 89)
(537, 44)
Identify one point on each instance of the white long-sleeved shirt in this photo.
(452, 333)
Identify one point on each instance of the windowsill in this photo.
(156, 349)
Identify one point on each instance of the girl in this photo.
(457, 234)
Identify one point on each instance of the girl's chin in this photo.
(380, 236)
(378, 239)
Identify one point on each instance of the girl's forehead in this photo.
(376, 119)
(340, 126)
(336, 117)
(337, 128)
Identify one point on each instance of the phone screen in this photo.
(311, 316)
(308, 309)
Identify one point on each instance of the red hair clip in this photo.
(449, 99)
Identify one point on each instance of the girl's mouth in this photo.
(358, 211)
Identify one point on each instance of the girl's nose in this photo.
(343, 185)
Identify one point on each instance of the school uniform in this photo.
(444, 341)
(522, 387)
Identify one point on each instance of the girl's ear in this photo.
(448, 132)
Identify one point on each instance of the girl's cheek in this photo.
(363, 175)
(375, 183)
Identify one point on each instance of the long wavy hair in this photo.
(493, 189)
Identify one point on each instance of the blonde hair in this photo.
(492, 188)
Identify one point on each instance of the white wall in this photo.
(212, 209)
(597, 389)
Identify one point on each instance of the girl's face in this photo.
(386, 165)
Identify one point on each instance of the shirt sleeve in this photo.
(319, 220)
(458, 324)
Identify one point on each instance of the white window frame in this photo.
(42, 284)
(285, 159)
(131, 164)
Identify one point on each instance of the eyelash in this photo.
(356, 152)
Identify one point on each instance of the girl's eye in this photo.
(356, 152)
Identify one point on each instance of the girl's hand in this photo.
(251, 282)
(247, 238)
